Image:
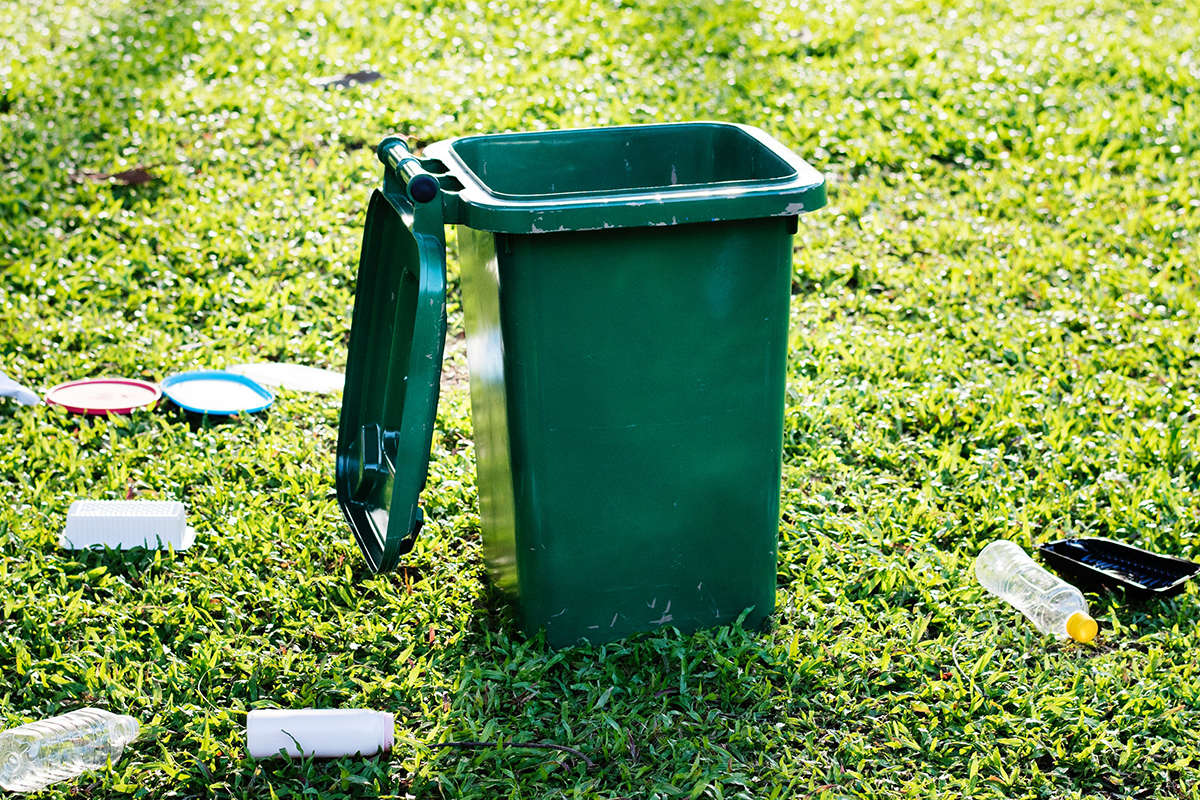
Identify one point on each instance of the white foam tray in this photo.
(122, 524)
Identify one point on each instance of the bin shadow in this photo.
(596, 713)
(475, 688)
(606, 701)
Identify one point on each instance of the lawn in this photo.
(993, 333)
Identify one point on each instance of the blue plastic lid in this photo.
(216, 392)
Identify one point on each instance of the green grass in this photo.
(994, 333)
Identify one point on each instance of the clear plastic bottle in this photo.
(1051, 604)
(38, 754)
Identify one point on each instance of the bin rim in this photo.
(476, 204)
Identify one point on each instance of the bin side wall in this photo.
(643, 373)
(489, 407)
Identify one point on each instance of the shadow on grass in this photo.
(197, 422)
(99, 82)
(138, 566)
(626, 707)
(143, 44)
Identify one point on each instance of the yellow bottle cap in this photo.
(1081, 627)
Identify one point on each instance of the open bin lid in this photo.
(393, 372)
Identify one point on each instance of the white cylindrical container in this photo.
(319, 732)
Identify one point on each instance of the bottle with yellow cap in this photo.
(1051, 604)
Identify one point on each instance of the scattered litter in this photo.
(1096, 564)
(296, 377)
(1051, 604)
(216, 392)
(319, 732)
(347, 79)
(10, 388)
(37, 754)
(123, 524)
(99, 396)
(136, 176)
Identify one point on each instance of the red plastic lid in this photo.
(98, 396)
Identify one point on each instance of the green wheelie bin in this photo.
(626, 297)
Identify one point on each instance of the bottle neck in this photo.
(125, 729)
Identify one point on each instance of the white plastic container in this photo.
(38, 754)
(122, 524)
(319, 732)
(296, 377)
(1051, 604)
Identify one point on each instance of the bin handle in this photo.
(418, 184)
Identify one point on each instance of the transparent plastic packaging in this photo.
(38, 754)
(1050, 603)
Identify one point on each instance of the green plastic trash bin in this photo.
(626, 298)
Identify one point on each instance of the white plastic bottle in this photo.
(319, 732)
(38, 754)
(1051, 604)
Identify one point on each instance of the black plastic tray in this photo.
(1095, 565)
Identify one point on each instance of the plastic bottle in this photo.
(1051, 604)
(38, 754)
